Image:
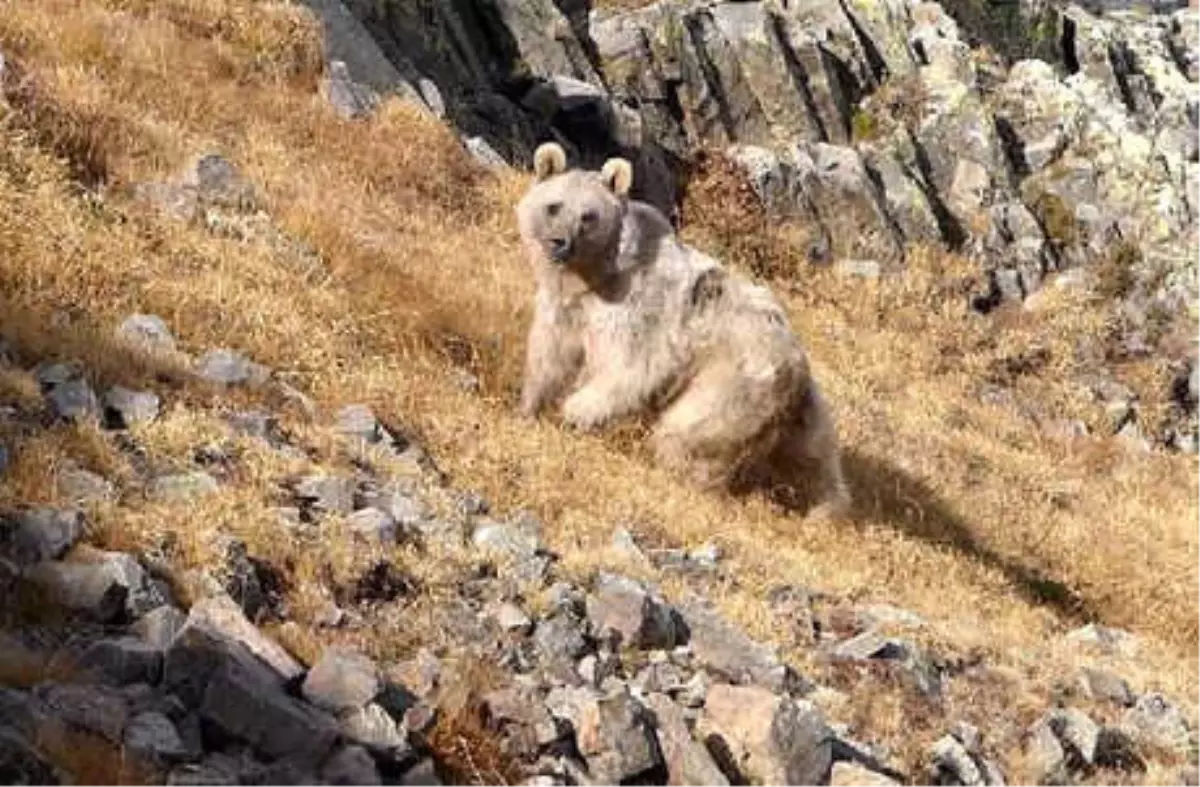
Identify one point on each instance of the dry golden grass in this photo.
(968, 513)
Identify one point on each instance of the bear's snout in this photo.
(560, 248)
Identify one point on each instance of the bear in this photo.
(629, 321)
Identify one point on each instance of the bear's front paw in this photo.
(585, 410)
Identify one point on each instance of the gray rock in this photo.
(158, 627)
(342, 681)
(41, 534)
(852, 774)
(105, 586)
(349, 99)
(152, 737)
(244, 700)
(327, 493)
(482, 151)
(688, 762)
(1103, 685)
(771, 739)
(21, 763)
(217, 182)
(358, 422)
(952, 762)
(373, 524)
(147, 331)
(182, 487)
(97, 709)
(1155, 720)
(74, 400)
(613, 735)
(1109, 641)
(81, 487)
(423, 774)
(350, 765)
(122, 660)
(228, 367)
(124, 407)
(523, 717)
(728, 652)
(560, 637)
(508, 539)
(216, 620)
(510, 617)
(622, 605)
(372, 727)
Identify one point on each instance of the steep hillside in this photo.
(182, 158)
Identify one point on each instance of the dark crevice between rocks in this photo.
(1014, 152)
(875, 61)
(1066, 44)
(847, 92)
(694, 25)
(950, 228)
(1124, 68)
(879, 197)
(577, 13)
(799, 77)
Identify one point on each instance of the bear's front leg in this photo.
(587, 409)
(553, 355)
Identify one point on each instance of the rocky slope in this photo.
(1032, 139)
(112, 677)
(209, 575)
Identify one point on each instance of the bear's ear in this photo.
(617, 174)
(549, 160)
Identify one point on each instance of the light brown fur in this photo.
(628, 319)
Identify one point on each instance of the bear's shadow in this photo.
(885, 493)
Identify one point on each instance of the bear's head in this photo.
(572, 218)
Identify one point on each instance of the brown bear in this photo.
(629, 320)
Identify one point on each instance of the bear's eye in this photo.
(553, 208)
(588, 217)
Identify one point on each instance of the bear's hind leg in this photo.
(714, 430)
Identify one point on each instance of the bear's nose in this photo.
(560, 248)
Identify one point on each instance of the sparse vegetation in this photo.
(968, 513)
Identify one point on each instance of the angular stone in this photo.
(1155, 720)
(506, 539)
(851, 774)
(152, 736)
(612, 733)
(158, 627)
(74, 400)
(81, 487)
(350, 765)
(624, 606)
(243, 700)
(510, 617)
(728, 652)
(952, 763)
(21, 763)
(327, 493)
(228, 367)
(41, 534)
(105, 586)
(1106, 640)
(122, 660)
(523, 716)
(182, 487)
(371, 523)
(688, 762)
(772, 739)
(342, 681)
(215, 624)
(124, 407)
(98, 709)
(423, 774)
(372, 727)
(1103, 685)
